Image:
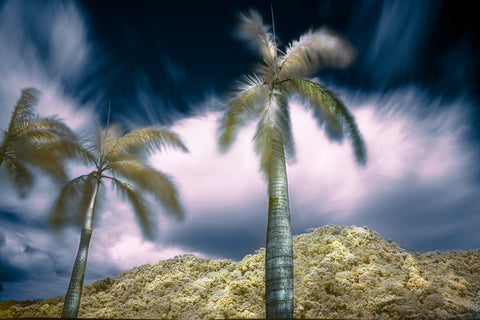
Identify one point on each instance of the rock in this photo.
(339, 271)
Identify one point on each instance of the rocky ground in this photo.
(340, 272)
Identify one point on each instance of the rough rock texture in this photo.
(340, 272)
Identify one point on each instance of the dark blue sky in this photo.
(414, 90)
(177, 48)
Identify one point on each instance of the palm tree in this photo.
(122, 157)
(34, 141)
(265, 96)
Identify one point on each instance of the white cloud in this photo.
(41, 50)
(118, 238)
(206, 178)
(70, 47)
(402, 143)
(226, 192)
(42, 46)
(408, 151)
(131, 251)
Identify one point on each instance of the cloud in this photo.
(150, 108)
(7, 271)
(40, 50)
(425, 215)
(44, 46)
(174, 71)
(420, 161)
(391, 39)
(47, 46)
(420, 185)
(398, 27)
(117, 243)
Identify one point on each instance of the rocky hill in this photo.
(340, 272)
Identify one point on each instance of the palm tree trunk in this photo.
(279, 251)
(74, 293)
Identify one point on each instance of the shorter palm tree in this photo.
(122, 157)
(34, 141)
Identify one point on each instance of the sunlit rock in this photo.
(340, 272)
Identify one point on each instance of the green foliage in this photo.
(281, 76)
(33, 141)
(120, 158)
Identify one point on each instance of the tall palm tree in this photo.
(34, 141)
(117, 157)
(265, 96)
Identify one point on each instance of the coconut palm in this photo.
(265, 96)
(120, 158)
(34, 141)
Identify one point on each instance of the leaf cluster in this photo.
(281, 76)
(121, 158)
(45, 143)
(32, 141)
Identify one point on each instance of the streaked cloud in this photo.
(420, 186)
(417, 149)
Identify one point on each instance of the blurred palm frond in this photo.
(252, 29)
(37, 142)
(243, 106)
(328, 109)
(315, 50)
(73, 202)
(145, 140)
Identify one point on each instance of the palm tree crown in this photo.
(282, 75)
(120, 158)
(34, 141)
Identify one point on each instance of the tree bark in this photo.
(74, 293)
(279, 247)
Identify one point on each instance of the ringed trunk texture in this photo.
(74, 293)
(279, 247)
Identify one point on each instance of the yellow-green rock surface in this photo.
(340, 272)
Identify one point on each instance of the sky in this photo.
(413, 89)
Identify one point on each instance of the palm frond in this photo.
(45, 142)
(3, 152)
(50, 124)
(46, 159)
(252, 29)
(22, 177)
(73, 201)
(87, 191)
(87, 154)
(330, 110)
(274, 130)
(34, 140)
(286, 125)
(99, 139)
(152, 181)
(146, 140)
(323, 104)
(35, 135)
(24, 108)
(41, 142)
(242, 108)
(113, 133)
(108, 137)
(313, 51)
(128, 192)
